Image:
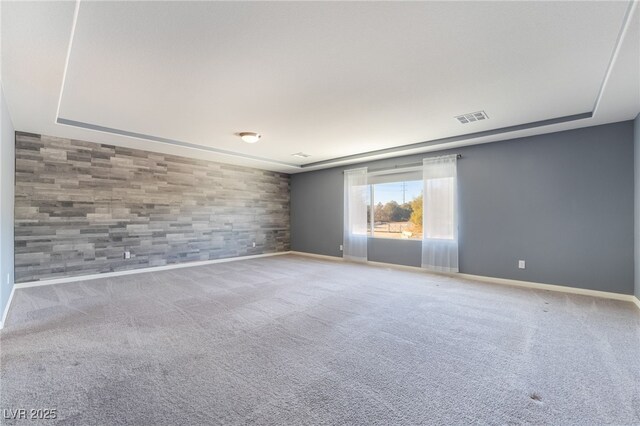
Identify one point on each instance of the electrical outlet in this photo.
(340, 247)
(254, 243)
(521, 264)
(127, 254)
(8, 278)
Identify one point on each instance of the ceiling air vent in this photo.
(301, 155)
(474, 116)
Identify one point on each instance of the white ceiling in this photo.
(330, 79)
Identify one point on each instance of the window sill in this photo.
(393, 238)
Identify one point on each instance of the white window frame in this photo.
(395, 171)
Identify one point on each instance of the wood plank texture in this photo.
(80, 205)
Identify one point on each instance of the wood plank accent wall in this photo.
(79, 205)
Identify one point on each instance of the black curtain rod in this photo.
(402, 166)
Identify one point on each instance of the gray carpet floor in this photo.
(294, 340)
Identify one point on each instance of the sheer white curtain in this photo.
(440, 214)
(356, 195)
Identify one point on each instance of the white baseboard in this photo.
(550, 287)
(395, 266)
(493, 280)
(142, 270)
(317, 256)
(636, 301)
(6, 308)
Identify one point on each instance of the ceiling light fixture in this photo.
(250, 137)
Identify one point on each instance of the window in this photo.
(397, 208)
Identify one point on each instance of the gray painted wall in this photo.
(636, 141)
(7, 164)
(561, 201)
(80, 205)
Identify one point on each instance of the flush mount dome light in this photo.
(250, 137)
